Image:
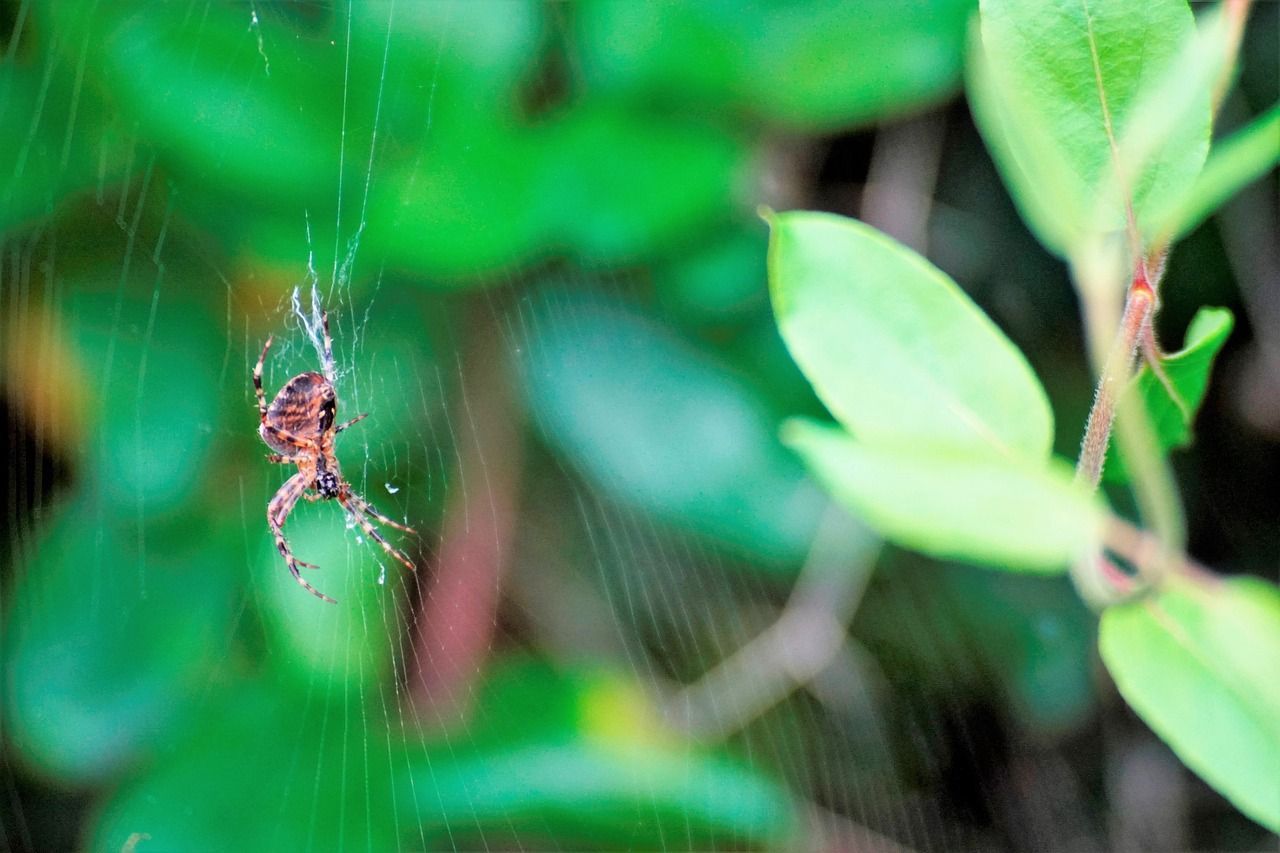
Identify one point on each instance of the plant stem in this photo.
(1116, 373)
(458, 611)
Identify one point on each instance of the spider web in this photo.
(634, 622)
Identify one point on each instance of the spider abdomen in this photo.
(305, 409)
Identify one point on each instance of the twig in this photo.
(454, 628)
(807, 635)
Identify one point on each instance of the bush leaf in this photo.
(893, 347)
(1188, 372)
(1233, 164)
(1012, 514)
(1039, 95)
(1199, 665)
(664, 429)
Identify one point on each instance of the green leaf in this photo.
(1188, 372)
(663, 428)
(1233, 164)
(956, 505)
(263, 769)
(786, 63)
(609, 178)
(467, 207)
(1199, 663)
(572, 758)
(110, 636)
(216, 108)
(44, 161)
(897, 352)
(1038, 81)
(720, 280)
(154, 354)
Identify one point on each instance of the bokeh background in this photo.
(635, 623)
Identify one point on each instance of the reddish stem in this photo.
(458, 614)
(1135, 323)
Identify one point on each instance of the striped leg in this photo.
(277, 511)
(359, 517)
(257, 379)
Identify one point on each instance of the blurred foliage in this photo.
(581, 177)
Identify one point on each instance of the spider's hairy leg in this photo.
(257, 377)
(280, 458)
(277, 511)
(359, 517)
(304, 444)
(367, 508)
(354, 420)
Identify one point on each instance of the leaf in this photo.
(609, 178)
(663, 428)
(212, 107)
(1188, 371)
(110, 637)
(1200, 663)
(151, 359)
(572, 758)
(785, 63)
(893, 347)
(1038, 81)
(956, 505)
(263, 769)
(1233, 164)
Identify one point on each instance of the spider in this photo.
(299, 426)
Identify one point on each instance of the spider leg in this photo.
(280, 458)
(277, 511)
(356, 419)
(289, 437)
(257, 378)
(365, 507)
(358, 516)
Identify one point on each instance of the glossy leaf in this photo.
(897, 352)
(1039, 81)
(1199, 662)
(981, 509)
(662, 428)
(1188, 372)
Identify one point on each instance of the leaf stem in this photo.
(1116, 372)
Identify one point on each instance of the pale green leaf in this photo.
(1039, 83)
(662, 428)
(1233, 164)
(1200, 663)
(1188, 372)
(956, 505)
(897, 352)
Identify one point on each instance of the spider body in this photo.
(299, 425)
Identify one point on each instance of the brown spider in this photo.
(299, 426)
